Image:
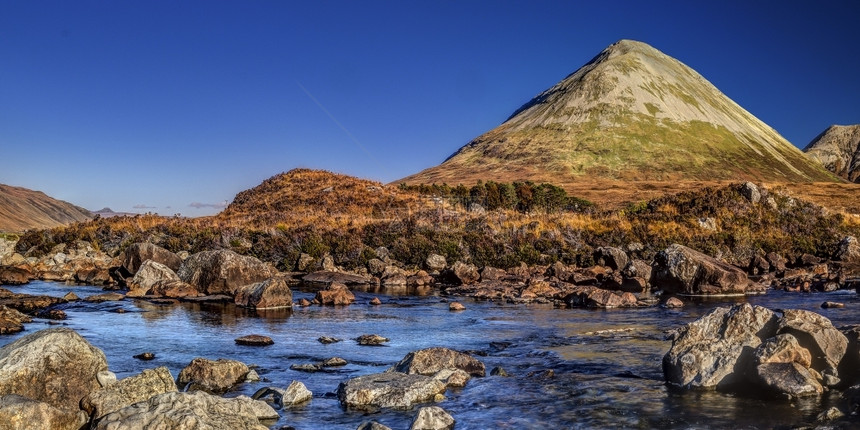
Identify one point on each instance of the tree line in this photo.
(520, 196)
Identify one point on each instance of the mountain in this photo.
(838, 150)
(22, 209)
(108, 213)
(630, 114)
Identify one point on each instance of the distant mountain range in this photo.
(838, 149)
(22, 209)
(630, 114)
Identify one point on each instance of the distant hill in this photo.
(22, 209)
(838, 150)
(108, 212)
(630, 114)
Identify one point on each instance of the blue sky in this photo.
(166, 105)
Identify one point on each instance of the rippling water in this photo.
(606, 365)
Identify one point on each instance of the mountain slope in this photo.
(22, 209)
(633, 114)
(838, 150)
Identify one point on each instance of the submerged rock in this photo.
(388, 390)
(212, 376)
(371, 340)
(190, 411)
(56, 366)
(254, 340)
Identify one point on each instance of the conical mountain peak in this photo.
(631, 113)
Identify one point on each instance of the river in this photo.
(606, 364)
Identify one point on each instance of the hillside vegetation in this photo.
(22, 209)
(319, 213)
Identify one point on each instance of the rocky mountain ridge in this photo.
(22, 209)
(838, 150)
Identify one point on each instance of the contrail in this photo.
(354, 140)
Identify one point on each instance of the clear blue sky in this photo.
(155, 105)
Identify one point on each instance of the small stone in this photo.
(334, 362)
(105, 378)
(372, 425)
(325, 340)
(830, 415)
(830, 305)
(146, 356)
(252, 376)
(255, 340)
(105, 297)
(296, 394)
(304, 303)
(673, 303)
(310, 368)
(376, 301)
(456, 306)
(432, 418)
(371, 340)
(52, 314)
(499, 371)
(71, 297)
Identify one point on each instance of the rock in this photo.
(222, 271)
(270, 294)
(849, 250)
(614, 258)
(808, 260)
(137, 253)
(105, 378)
(829, 415)
(21, 413)
(673, 303)
(190, 411)
(372, 425)
(12, 321)
(453, 377)
(492, 274)
(706, 352)
(777, 262)
(145, 356)
(252, 376)
(333, 362)
(128, 391)
(371, 340)
(456, 306)
(14, 275)
(56, 366)
(790, 379)
(375, 301)
(435, 262)
(27, 303)
(149, 275)
(212, 376)
(325, 340)
(538, 288)
(830, 305)
(105, 297)
(681, 270)
(376, 266)
(336, 294)
(304, 303)
(175, 289)
(431, 360)
(432, 418)
(52, 314)
(499, 371)
(593, 297)
(296, 394)
(304, 262)
(388, 390)
(750, 192)
(71, 297)
(255, 340)
(329, 278)
(463, 274)
(327, 264)
(310, 368)
(817, 334)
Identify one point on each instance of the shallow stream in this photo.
(606, 365)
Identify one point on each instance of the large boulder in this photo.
(463, 274)
(269, 294)
(137, 253)
(432, 418)
(429, 361)
(613, 258)
(21, 413)
(817, 334)
(222, 271)
(150, 275)
(56, 366)
(190, 411)
(388, 390)
(212, 376)
(849, 250)
(681, 270)
(336, 294)
(781, 366)
(128, 391)
(706, 352)
(14, 275)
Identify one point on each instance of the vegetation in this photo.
(319, 213)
